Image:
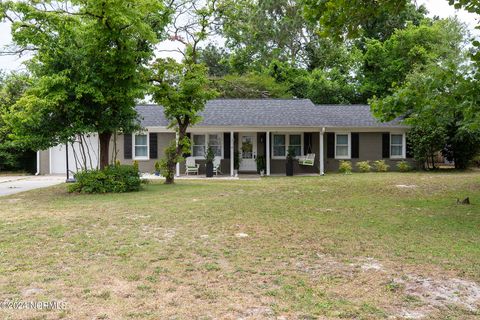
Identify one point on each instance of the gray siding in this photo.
(164, 140)
(370, 149)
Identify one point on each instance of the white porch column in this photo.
(232, 153)
(268, 153)
(321, 156)
(177, 167)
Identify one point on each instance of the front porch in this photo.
(257, 150)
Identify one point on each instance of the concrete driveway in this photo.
(15, 184)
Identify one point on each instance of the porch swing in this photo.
(309, 159)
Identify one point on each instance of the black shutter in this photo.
(153, 145)
(307, 143)
(409, 148)
(127, 146)
(355, 145)
(226, 145)
(330, 145)
(386, 145)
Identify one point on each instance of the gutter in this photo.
(38, 164)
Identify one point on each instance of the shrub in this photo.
(135, 165)
(364, 166)
(158, 167)
(111, 179)
(404, 166)
(380, 166)
(345, 167)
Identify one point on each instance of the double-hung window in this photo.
(295, 143)
(279, 145)
(215, 142)
(342, 146)
(397, 148)
(282, 142)
(200, 143)
(140, 150)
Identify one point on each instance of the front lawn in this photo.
(361, 246)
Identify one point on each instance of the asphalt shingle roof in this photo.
(272, 113)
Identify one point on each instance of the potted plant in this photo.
(209, 156)
(261, 165)
(236, 163)
(157, 168)
(289, 164)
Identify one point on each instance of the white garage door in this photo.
(77, 158)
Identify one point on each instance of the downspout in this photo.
(38, 164)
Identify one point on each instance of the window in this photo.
(140, 147)
(342, 146)
(200, 143)
(279, 145)
(397, 146)
(282, 142)
(296, 143)
(215, 142)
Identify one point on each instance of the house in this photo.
(254, 127)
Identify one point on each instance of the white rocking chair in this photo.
(191, 166)
(307, 160)
(216, 165)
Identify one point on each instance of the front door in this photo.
(248, 151)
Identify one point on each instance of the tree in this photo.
(216, 59)
(12, 87)
(250, 86)
(387, 64)
(260, 31)
(182, 90)
(90, 59)
(359, 18)
(435, 101)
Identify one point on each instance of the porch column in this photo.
(321, 157)
(232, 153)
(268, 152)
(177, 167)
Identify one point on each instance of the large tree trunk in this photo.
(182, 132)
(104, 139)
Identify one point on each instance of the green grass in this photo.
(171, 251)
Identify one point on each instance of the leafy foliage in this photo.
(12, 87)
(364, 166)
(345, 166)
(182, 90)
(251, 85)
(388, 63)
(362, 18)
(115, 179)
(404, 166)
(89, 62)
(260, 31)
(380, 166)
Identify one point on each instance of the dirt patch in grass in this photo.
(405, 295)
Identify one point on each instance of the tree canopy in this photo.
(89, 61)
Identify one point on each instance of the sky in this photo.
(439, 8)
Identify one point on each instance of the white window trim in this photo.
(207, 138)
(349, 146)
(133, 146)
(404, 145)
(287, 144)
